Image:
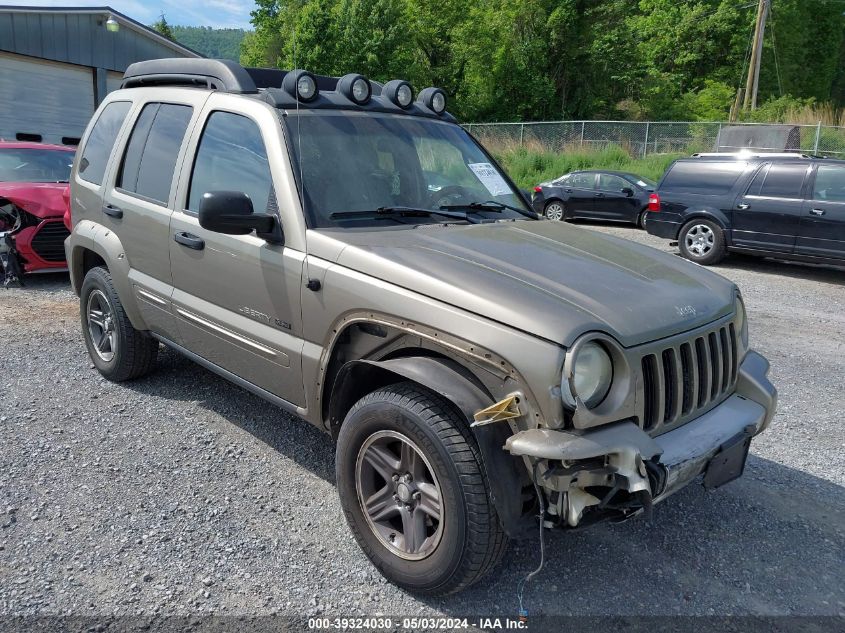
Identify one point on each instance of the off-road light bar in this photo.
(301, 84)
(399, 92)
(434, 99)
(355, 87)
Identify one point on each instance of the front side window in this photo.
(95, 154)
(150, 157)
(231, 157)
(830, 183)
(609, 182)
(34, 165)
(350, 165)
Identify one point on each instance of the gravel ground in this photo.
(181, 494)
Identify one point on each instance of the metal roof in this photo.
(78, 35)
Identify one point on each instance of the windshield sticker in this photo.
(490, 178)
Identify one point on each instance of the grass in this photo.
(529, 166)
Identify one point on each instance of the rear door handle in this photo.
(568, 190)
(742, 206)
(113, 211)
(599, 195)
(191, 241)
(817, 211)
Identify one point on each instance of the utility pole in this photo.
(756, 55)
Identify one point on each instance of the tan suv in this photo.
(345, 250)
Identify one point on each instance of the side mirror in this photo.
(231, 212)
(628, 191)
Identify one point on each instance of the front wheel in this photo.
(414, 493)
(702, 241)
(555, 210)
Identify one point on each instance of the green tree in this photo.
(163, 27)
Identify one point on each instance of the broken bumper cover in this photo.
(633, 462)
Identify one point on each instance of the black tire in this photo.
(642, 219)
(132, 352)
(472, 541)
(711, 250)
(555, 210)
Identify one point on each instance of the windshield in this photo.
(352, 163)
(34, 165)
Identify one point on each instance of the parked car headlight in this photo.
(741, 322)
(592, 371)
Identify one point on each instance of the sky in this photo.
(216, 13)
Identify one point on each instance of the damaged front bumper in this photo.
(618, 470)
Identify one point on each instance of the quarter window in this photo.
(830, 183)
(231, 157)
(150, 158)
(95, 155)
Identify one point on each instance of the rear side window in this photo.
(783, 181)
(150, 157)
(703, 177)
(95, 154)
(231, 157)
(830, 183)
(582, 181)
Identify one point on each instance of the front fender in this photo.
(506, 474)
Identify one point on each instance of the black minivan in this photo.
(789, 206)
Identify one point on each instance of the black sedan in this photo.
(597, 195)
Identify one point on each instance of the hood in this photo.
(41, 199)
(551, 279)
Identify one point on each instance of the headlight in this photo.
(741, 322)
(592, 374)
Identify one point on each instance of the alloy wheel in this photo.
(554, 211)
(700, 240)
(101, 325)
(399, 494)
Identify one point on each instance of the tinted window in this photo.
(704, 177)
(609, 182)
(582, 181)
(231, 157)
(830, 183)
(757, 182)
(784, 181)
(150, 157)
(95, 156)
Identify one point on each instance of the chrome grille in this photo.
(684, 378)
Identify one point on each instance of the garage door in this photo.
(46, 99)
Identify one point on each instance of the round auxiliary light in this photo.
(355, 87)
(399, 92)
(112, 25)
(592, 371)
(300, 84)
(434, 99)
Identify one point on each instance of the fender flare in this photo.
(104, 242)
(506, 474)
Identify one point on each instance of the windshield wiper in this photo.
(405, 212)
(492, 206)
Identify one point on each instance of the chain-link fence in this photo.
(641, 138)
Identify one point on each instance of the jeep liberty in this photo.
(345, 250)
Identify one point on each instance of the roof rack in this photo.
(212, 74)
(751, 154)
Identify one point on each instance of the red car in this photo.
(33, 202)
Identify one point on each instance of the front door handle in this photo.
(113, 211)
(743, 206)
(568, 190)
(191, 241)
(599, 195)
(817, 211)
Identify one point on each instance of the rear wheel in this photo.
(702, 241)
(642, 219)
(118, 350)
(414, 493)
(555, 210)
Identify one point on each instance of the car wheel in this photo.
(118, 350)
(555, 211)
(414, 493)
(642, 219)
(702, 241)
